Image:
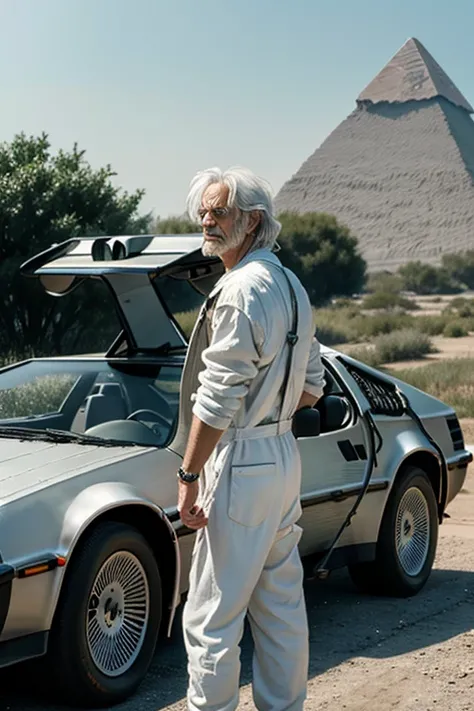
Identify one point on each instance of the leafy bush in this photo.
(426, 279)
(334, 323)
(458, 303)
(367, 327)
(452, 381)
(384, 282)
(460, 266)
(175, 226)
(455, 329)
(461, 306)
(186, 320)
(388, 300)
(344, 303)
(366, 355)
(407, 344)
(330, 336)
(353, 326)
(432, 325)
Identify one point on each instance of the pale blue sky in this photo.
(160, 89)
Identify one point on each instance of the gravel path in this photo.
(366, 653)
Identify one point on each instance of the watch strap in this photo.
(187, 477)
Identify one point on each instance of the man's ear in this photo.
(253, 221)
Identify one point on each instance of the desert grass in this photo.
(451, 381)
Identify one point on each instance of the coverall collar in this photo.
(253, 256)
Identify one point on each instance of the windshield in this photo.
(134, 403)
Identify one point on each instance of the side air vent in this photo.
(382, 397)
(456, 432)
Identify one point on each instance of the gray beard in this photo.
(225, 244)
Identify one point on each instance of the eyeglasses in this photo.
(215, 212)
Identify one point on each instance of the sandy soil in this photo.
(366, 653)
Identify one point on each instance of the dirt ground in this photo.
(367, 653)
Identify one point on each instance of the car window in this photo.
(181, 299)
(168, 382)
(130, 401)
(88, 322)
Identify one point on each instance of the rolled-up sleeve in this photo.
(231, 363)
(314, 382)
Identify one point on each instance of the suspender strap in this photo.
(292, 340)
(291, 337)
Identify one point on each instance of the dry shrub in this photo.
(407, 344)
(452, 381)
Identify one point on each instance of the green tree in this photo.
(460, 267)
(46, 199)
(323, 254)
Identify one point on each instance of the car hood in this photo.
(26, 466)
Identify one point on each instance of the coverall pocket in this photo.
(250, 487)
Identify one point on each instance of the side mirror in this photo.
(306, 423)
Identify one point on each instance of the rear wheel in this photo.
(407, 541)
(108, 617)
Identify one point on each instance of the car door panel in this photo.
(333, 468)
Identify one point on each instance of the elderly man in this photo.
(248, 377)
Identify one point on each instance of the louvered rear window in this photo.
(382, 396)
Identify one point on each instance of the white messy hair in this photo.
(247, 192)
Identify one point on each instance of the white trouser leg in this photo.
(212, 627)
(277, 615)
(243, 558)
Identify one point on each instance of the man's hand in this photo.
(307, 400)
(191, 515)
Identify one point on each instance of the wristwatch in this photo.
(186, 476)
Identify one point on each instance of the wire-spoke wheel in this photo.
(407, 540)
(117, 614)
(412, 531)
(108, 617)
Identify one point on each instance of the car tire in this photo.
(112, 591)
(407, 541)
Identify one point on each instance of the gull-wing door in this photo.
(131, 267)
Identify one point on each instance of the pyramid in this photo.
(399, 170)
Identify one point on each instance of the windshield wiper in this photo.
(59, 436)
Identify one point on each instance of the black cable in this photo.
(321, 569)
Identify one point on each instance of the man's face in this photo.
(223, 227)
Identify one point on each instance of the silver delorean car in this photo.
(94, 560)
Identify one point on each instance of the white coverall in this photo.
(246, 559)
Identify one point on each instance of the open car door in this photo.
(131, 266)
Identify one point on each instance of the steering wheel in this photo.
(158, 419)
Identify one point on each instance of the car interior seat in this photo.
(335, 412)
(333, 407)
(103, 408)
